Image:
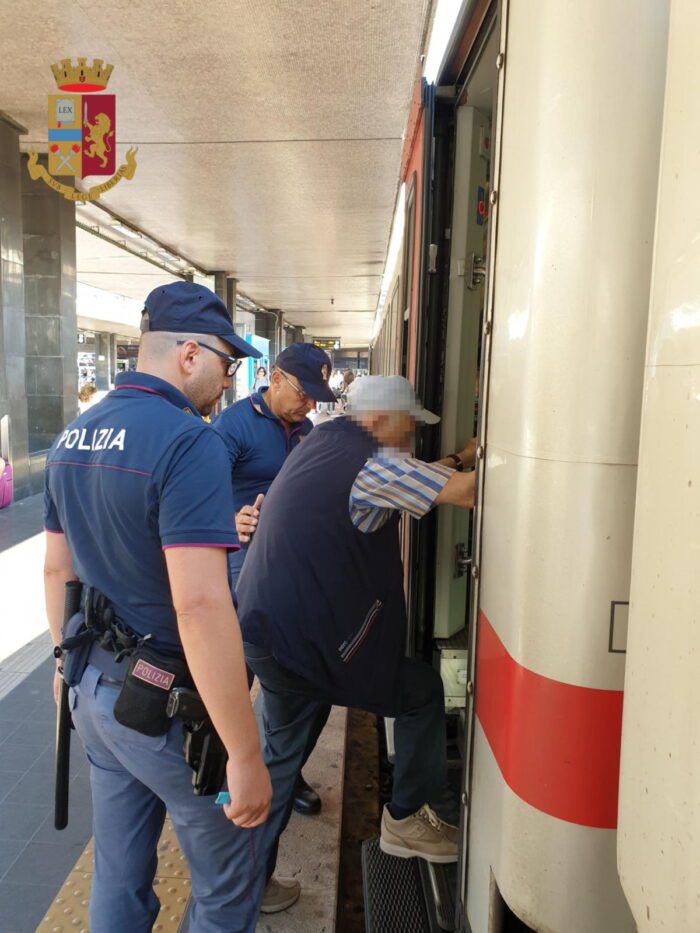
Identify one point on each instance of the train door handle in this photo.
(476, 270)
(462, 560)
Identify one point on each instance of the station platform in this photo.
(45, 874)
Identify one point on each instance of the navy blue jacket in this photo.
(325, 599)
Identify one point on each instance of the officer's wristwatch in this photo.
(459, 466)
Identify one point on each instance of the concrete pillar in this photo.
(231, 292)
(13, 400)
(281, 344)
(50, 316)
(293, 334)
(113, 356)
(229, 288)
(220, 285)
(266, 326)
(103, 362)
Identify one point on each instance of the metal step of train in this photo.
(406, 895)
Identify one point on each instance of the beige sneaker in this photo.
(421, 835)
(280, 894)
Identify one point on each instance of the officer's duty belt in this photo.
(104, 661)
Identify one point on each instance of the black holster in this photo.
(206, 755)
(204, 750)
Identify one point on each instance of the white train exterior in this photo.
(569, 275)
(659, 817)
(580, 190)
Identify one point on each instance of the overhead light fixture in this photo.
(169, 256)
(444, 20)
(126, 231)
(395, 242)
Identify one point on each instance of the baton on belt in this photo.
(64, 723)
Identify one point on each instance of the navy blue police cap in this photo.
(312, 366)
(187, 308)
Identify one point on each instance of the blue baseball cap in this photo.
(312, 366)
(186, 308)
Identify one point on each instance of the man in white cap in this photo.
(322, 608)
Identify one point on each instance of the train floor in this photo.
(45, 874)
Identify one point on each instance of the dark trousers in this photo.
(324, 712)
(235, 565)
(293, 719)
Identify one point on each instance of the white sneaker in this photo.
(280, 894)
(420, 835)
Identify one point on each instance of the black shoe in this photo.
(306, 800)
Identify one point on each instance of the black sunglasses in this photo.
(233, 363)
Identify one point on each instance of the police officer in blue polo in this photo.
(260, 432)
(138, 510)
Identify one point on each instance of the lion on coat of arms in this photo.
(100, 132)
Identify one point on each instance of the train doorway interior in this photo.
(462, 414)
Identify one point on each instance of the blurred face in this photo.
(286, 399)
(394, 429)
(206, 373)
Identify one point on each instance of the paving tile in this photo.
(77, 832)
(46, 762)
(29, 732)
(35, 786)
(9, 850)
(14, 709)
(23, 905)
(39, 682)
(19, 758)
(21, 821)
(8, 780)
(30, 690)
(44, 861)
(41, 711)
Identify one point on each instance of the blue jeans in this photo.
(135, 779)
(292, 708)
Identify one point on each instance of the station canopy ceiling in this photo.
(269, 135)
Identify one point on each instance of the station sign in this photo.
(327, 343)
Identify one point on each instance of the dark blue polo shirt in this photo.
(135, 474)
(258, 444)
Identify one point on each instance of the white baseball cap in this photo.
(387, 393)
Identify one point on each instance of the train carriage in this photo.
(518, 286)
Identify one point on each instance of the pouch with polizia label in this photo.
(143, 699)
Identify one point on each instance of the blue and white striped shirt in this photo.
(387, 483)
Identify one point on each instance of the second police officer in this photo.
(133, 512)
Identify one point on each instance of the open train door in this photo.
(465, 308)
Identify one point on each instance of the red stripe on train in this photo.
(557, 745)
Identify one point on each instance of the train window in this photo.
(409, 246)
(408, 252)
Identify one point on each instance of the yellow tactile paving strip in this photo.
(69, 910)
